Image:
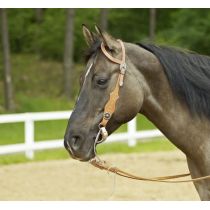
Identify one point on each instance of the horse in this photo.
(170, 86)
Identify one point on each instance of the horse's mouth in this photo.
(92, 153)
(83, 156)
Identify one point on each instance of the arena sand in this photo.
(74, 180)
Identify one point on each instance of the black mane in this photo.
(188, 74)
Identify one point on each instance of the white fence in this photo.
(29, 145)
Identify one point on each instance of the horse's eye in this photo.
(101, 81)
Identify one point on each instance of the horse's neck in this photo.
(164, 109)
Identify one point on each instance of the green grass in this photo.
(11, 133)
(159, 144)
(42, 103)
(54, 154)
(155, 145)
(45, 130)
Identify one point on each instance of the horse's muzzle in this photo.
(77, 148)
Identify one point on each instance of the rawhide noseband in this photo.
(114, 95)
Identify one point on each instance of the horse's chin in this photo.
(82, 156)
(87, 157)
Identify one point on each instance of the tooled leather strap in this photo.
(110, 105)
(114, 95)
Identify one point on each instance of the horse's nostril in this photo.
(76, 141)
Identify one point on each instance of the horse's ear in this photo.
(88, 35)
(107, 39)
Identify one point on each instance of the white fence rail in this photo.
(29, 145)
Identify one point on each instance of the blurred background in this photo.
(42, 56)
(41, 59)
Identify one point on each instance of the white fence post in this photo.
(132, 132)
(29, 137)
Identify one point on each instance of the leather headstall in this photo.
(110, 106)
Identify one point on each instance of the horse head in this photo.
(101, 77)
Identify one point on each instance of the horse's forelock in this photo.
(93, 49)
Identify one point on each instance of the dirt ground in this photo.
(73, 180)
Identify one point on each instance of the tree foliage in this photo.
(187, 28)
(191, 29)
